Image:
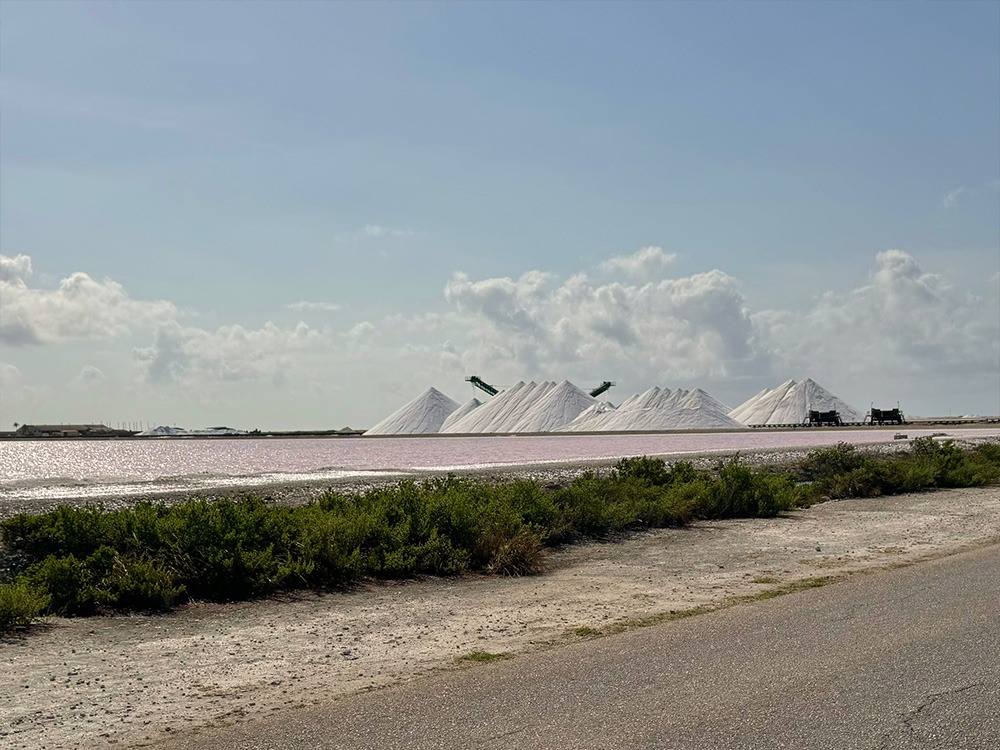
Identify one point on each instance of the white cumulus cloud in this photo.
(323, 307)
(15, 270)
(192, 355)
(80, 308)
(663, 330)
(647, 264)
(902, 320)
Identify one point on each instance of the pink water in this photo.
(56, 468)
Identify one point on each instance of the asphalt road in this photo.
(908, 658)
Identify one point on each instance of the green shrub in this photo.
(829, 462)
(651, 470)
(740, 492)
(66, 581)
(654, 471)
(143, 585)
(20, 605)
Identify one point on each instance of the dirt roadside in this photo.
(131, 681)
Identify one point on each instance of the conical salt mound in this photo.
(663, 409)
(469, 406)
(423, 415)
(559, 406)
(496, 409)
(654, 410)
(790, 403)
(590, 419)
(503, 412)
(700, 410)
(820, 399)
(647, 411)
(759, 409)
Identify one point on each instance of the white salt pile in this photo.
(593, 417)
(563, 407)
(468, 406)
(551, 407)
(165, 431)
(422, 416)
(790, 403)
(557, 407)
(657, 409)
(504, 411)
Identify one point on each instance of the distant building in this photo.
(65, 430)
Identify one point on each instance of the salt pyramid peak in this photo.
(469, 406)
(790, 403)
(558, 406)
(423, 415)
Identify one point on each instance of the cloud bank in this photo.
(902, 330)
(80, 308)
(649, 326)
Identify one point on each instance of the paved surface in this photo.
(908, 658)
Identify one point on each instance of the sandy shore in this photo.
(133, 681)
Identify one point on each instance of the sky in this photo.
(300, 215)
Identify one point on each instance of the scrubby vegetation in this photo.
(844, 471)
(149, 557)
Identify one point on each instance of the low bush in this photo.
(20, 605)
(831, 462)
(844, 471)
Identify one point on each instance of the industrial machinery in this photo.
(482, 385)
(824, 418)
(601, 388)
(885, 416)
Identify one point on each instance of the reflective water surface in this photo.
(101, 468)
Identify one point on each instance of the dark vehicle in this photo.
(824, 418)
(885, 416)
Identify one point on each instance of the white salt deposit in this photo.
(591, 418)
(790, 403)
(559, 406)
(468, 406)
(165, 431)
(496, 408)
(563, 407)
(762, 405)
(423, 415)
(502, 413)
(699, 409)
(658, 409)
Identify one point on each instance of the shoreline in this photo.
(347, 433)
(548, 473)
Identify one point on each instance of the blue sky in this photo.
(296, 215)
